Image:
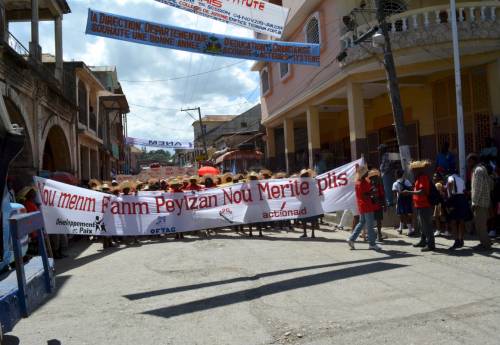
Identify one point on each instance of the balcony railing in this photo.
(429, 19)
(17, 46)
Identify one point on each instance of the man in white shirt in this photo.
(458, 208)
(404, 202)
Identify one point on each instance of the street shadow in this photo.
(277, 239)
(69, 263)
(395, 242)
(271, 289)
(255, 277)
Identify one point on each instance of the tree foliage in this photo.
(160, 156)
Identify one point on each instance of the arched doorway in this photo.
(23, 167)
(56, 154)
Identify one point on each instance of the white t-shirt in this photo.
(398, 185)
(459, 183)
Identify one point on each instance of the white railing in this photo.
(423, 18)
(18, 47)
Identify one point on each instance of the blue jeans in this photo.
(388, 181)
(367, 219)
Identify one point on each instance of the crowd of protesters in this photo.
(432, 200)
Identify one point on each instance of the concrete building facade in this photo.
(33, 92)
(342, 110)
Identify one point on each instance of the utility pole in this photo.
(393, 88)
(201, 128)
(458, 88)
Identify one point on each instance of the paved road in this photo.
(279, 290)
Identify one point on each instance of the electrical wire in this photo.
(184, 76)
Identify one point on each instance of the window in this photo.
(284, 70)
(394, 6)
(244, 125)
(264, 81)
(312, 30)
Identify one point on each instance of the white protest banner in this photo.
(163, 144)
(72, 210)
(257, 15)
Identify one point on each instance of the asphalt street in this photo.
(231, 289)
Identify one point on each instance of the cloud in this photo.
(155, 107)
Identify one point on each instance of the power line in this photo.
(184, 76)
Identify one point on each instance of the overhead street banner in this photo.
(68, 209)
(163, 144)
(166, 36)
(257, 15)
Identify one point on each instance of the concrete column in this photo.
(357, 125)
(313, 134)
(288, 128)
(88, 105)
(271, 147)
(3, 23)
(493, 74)
(59, 47)
(35, 49)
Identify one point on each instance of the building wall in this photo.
(42, 112)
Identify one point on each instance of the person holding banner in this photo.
(366, 207)
(176, 187)
(193, 185)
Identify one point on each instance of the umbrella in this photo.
(206, 170)
(64, 177)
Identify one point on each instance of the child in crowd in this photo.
(440, 218)
(404, 207)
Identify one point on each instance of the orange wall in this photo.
(304, 77)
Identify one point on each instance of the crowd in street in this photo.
(434, 201)
(439, 202)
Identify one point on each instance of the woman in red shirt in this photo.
(422, 205)
(366, 199)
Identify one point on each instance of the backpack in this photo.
(434, 196)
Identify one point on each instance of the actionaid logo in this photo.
(284, 213)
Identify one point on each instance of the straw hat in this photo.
(94, 184)
(208, 176)
(153, 181)
(175, 182)
(193, 178)
(125, 185)
(280, 175)
(361, 171)
(24, 192)
(105, 186)
(420, 164)
(266, 172)
(237, 177)
(227, 178)
(252, 175)
(304, 172)
(294, 175)
(373, 172)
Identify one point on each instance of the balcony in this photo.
(17, 46)
(430, 26)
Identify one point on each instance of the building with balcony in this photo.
(113, 108)
(32, 90)
(341, 110)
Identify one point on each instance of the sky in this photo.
(155, 106)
